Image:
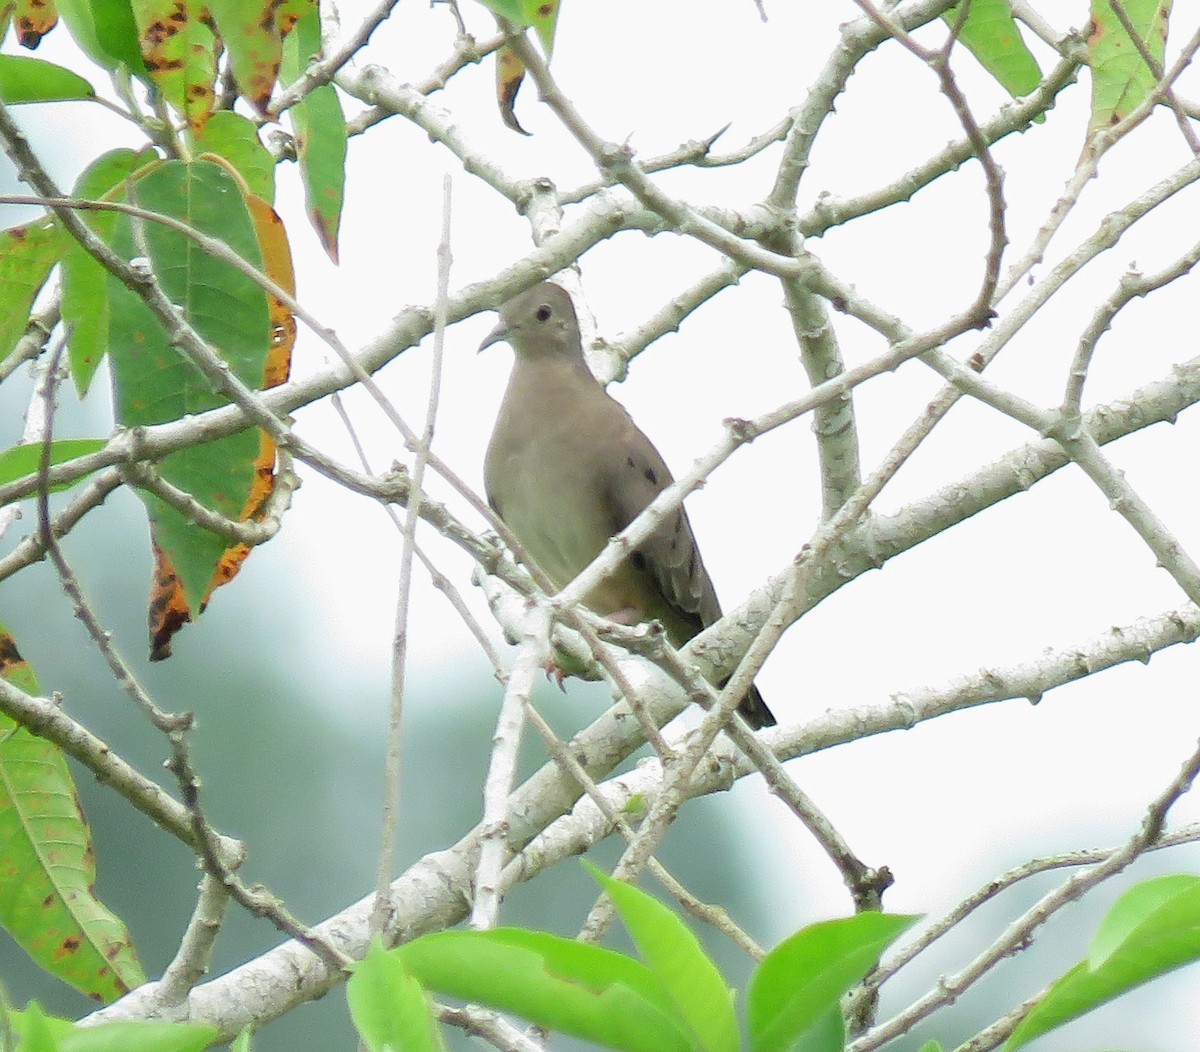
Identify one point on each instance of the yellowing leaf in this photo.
(33, 19)
(510, 70)
(155, 382)
(510, 73)
(169, 607)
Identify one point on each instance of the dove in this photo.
(567, 468)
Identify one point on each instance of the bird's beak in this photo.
(497, 335)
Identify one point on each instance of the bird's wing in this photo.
(669, 558)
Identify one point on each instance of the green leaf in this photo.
(106, 32)
(241, 1043)
(42, 1033)
(1152, 929)
(586, 991)
(990, 33)
(802, 979)
(85, 303)
(388, 1006)
(513, 10)
(320, 129)
(675, 957)
(37, 1032)
(18, 461)
(931, 1046)
(25, 79)
(46, 900)
(828, 1035)
(235, 138)
(1121, 79)
(1134, 909)
(26, 255)
(156, 383)
(543, 16)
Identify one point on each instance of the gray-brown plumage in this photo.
(567, 468)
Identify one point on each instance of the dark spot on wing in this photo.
(639, 561)
(651, 477)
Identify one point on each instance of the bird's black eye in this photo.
(543, 312)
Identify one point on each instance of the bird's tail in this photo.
(754, 710)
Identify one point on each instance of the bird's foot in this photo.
(553, 672)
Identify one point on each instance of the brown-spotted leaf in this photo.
(47, 867)
(169, 607)
(1121, 77)
(155, 382)
(33, 19)
(289, 12)
(543, 16)
(252, 36)
(179, 49)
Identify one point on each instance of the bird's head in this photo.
(537, 323)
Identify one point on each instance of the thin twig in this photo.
(467, 51)
(715, 916)
(1189, 834)
(323, 70)
(1020, 933)
(166, 722)
(391, 808)
(1130, 286)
